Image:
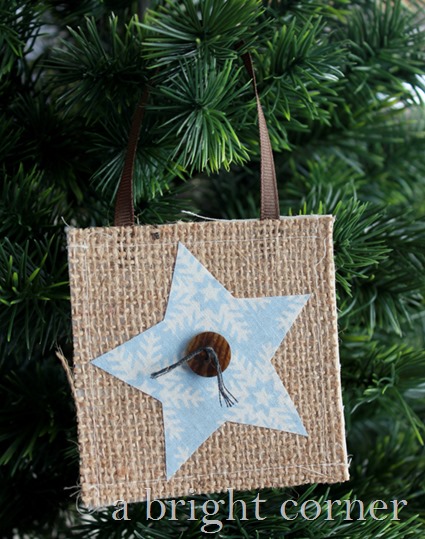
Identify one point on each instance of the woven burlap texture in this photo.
(120, 280)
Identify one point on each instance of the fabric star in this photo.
(254, 329)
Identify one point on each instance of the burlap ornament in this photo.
(120, 281)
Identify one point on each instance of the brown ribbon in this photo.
(269, 194)
(124, 205)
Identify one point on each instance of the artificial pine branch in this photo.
(100, 69)
(211, 29)
(34, 295)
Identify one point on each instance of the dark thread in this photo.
(229, 399)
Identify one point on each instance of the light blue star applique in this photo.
(254, 329)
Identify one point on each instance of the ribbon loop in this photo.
(124, 205)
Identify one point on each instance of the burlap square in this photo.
(120, 281)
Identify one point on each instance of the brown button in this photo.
(201, 363)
